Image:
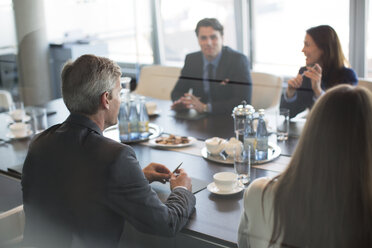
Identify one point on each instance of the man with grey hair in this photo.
(79, 187)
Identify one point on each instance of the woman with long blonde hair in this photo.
(324, 197)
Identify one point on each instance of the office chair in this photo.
(157, 81)
(6, 100)
(365, 83)
(266, 90)
(12, 223)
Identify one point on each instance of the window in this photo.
(179, 19)
(279, 30)
(7, 37)
(125, 25)
(369, 41)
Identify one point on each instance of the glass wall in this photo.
(279, 30)
(124, 24)
(179, 19)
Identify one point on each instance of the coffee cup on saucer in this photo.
(19, 129)
(225, 181)
(18, 114)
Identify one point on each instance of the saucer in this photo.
(11, 136)
(26, 118)
(213, 189)
(154, 113)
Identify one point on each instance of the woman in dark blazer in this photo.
(325, 68)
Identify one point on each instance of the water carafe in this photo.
(240, 114)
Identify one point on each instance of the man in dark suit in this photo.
(79, 187)
(215, 79)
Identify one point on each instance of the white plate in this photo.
(152, 142)
(213, 189)
(11, 136)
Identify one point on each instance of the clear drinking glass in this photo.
(39, 120)
(282, 124)
(17, 111)
(242, 164)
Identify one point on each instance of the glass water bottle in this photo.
(262, 136)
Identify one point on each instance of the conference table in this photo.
(216, 218)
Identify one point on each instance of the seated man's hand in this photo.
(193, 102)
(157, 172)
(178, 105)
(180, 178)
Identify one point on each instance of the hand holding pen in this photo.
(312, 72)
(310, 68)
(176, 170)
(180, 178)
(315, 75)
(157, 172)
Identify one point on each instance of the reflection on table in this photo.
(217, 216)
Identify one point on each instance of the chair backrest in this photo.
(266, 90)
(6, 99)
(157, 81)
(365, 83)
(12, 224)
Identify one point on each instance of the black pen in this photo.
(177, 168)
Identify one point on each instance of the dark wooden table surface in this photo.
(216, 217)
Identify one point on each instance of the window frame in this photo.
(243, 20)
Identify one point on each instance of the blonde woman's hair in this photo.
(324, 198)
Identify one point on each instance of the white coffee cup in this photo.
(225, 181)
(17, 114)
(19, 129)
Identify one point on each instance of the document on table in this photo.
(163, 190)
